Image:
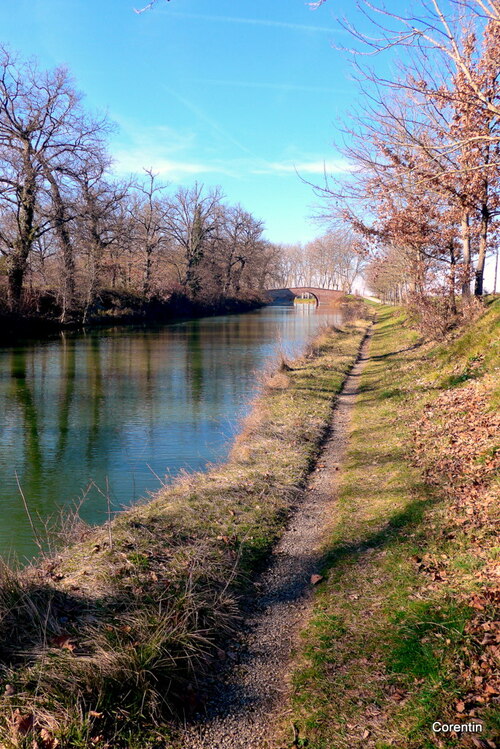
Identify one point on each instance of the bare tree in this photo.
(150, 212)
(233, 246)
(99, 224)
(190, 222)
(432, 27)
(42, 132)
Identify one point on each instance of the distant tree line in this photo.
(69, 229)
(331, 261)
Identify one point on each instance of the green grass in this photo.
(473, 353)
(382, 655)
(417, 632)
(106, 639)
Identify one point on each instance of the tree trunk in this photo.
(146, 286)
(16, 271)
(452, 280)
(24, 242)
(61, 229)
(483, 245)
(94, 269)
(496, 273)
(466, 254)
(237, 276)
(194, 253)
(226, 284)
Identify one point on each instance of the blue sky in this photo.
(237, 93)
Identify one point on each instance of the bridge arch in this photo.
(288, 295)
(306, 296)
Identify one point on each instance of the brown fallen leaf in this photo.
(398, 696)
(22, 724)
(48, 741)
(63, 642)
(315, 579)
(95, 714)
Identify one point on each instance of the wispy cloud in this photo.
(336, 166)
(172, 154)
(157, 137)
(177, 155)
(134, 161)
(252, 22)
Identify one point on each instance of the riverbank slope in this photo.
(101, 642)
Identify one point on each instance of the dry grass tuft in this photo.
(284, 365)
(278, 381)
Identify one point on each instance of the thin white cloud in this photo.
(304, 167)
(133, 161)
(173, 154)
(176, 155)
(157, 137)
(252, 22)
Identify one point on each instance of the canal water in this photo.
(101, 419)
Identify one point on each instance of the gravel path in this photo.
(243, 711)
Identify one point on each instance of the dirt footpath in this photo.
(247, 701)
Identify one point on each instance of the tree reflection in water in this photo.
(119, 408)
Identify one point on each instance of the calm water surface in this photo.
(115, 412)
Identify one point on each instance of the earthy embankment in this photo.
(405, 630)
(104, 642)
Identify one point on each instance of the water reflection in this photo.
(111, 411)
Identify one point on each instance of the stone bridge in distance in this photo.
(322, 296)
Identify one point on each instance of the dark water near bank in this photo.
(112, 413)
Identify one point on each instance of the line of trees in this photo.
(331, 261)
(425, 146)
(69, 229)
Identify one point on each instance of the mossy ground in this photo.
(403, 627)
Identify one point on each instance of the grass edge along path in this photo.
(404, 628)
(100, 642)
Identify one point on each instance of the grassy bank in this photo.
(103, 642)
(405, 627)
